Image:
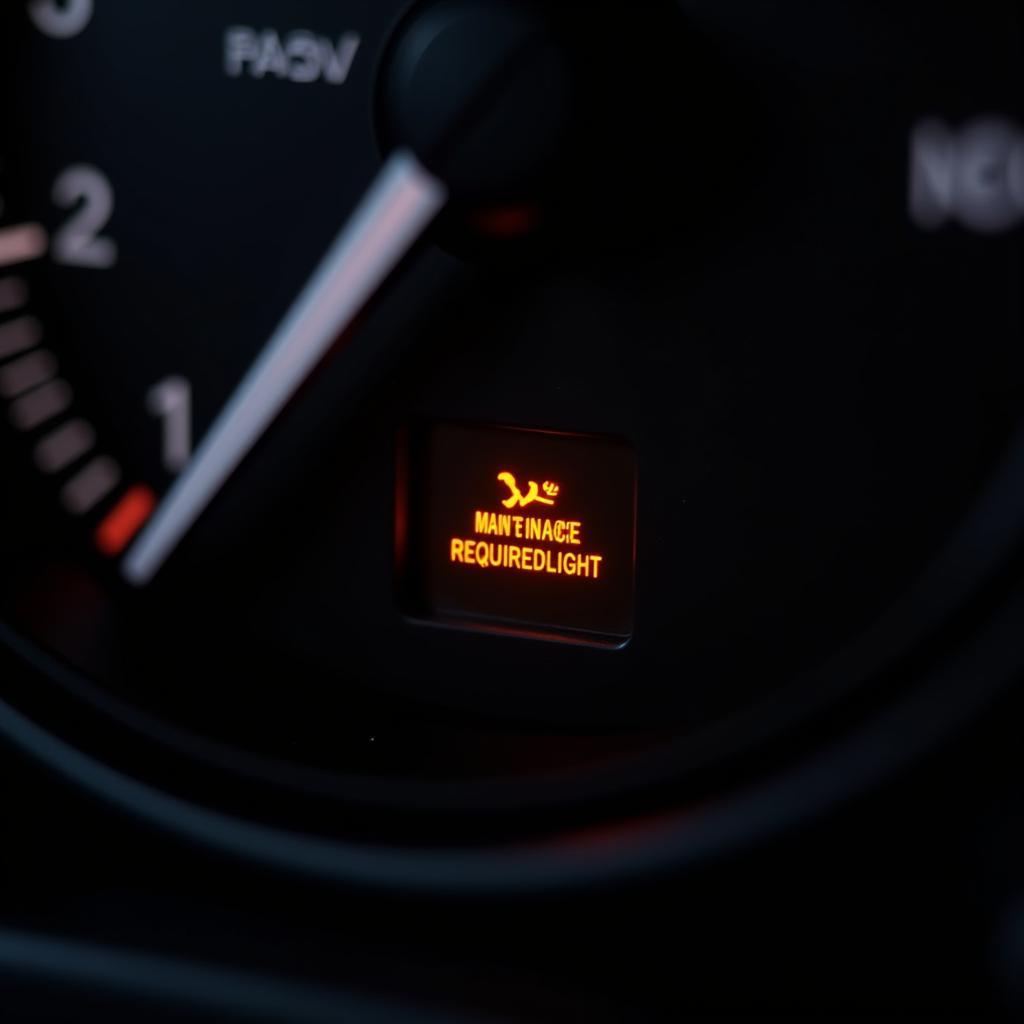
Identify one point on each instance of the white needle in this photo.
(402, 200)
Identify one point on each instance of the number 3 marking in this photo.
(60, 20)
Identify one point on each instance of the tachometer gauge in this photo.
(435, 426)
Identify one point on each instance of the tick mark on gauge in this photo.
(13, 294)
(63, 446)
(19, 336)
(27, 372)
(93, 482)
(35, 408)
(22, 243)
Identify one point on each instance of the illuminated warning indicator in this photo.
(514, 556)
(517, 498)
(520, 530)
(520, 556)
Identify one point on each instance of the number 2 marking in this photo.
(78, 241)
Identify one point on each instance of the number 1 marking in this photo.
(171, 400)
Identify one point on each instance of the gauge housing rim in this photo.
(677, 838)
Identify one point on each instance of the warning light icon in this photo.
(516, 497)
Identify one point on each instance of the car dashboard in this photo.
(511, 510)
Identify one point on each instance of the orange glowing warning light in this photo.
(124, 520)
(529, 528)
(508, 555)
(532, 494)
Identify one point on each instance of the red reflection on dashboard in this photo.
(507, 221)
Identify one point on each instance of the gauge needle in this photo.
(398, 206)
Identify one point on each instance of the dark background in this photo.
(801, 277)
(906, 901)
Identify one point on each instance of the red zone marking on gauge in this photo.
(124, 520)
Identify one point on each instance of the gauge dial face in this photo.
(729, 329)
